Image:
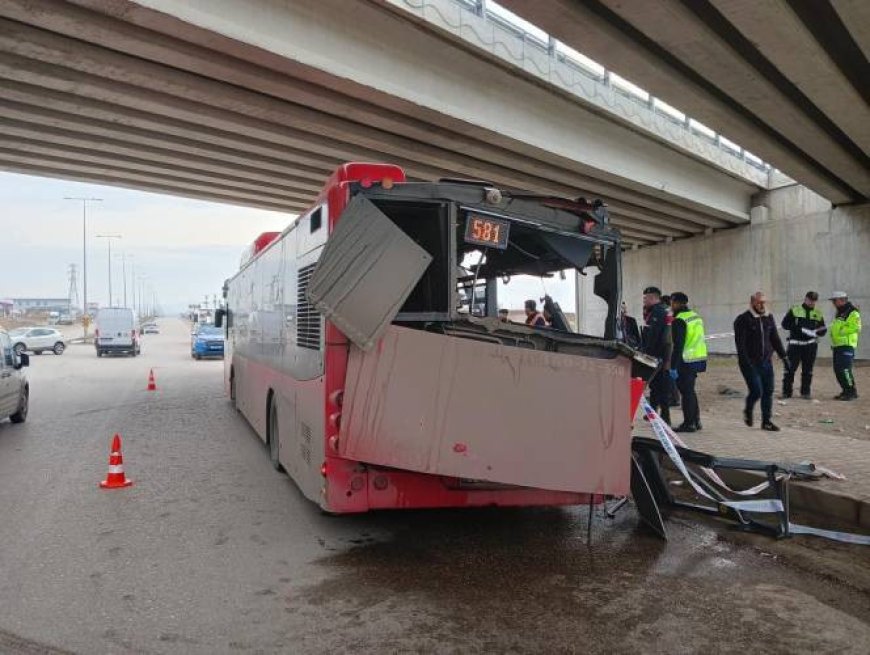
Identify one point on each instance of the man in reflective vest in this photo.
(805, 324)
(844, 340)
(689, 358)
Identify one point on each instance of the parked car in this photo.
(150, 328)
(115, 331)
(14, 387)
(38, 340)
(65, 319)
(206, 340)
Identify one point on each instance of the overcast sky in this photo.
(187, 248)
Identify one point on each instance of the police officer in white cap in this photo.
(844, 340)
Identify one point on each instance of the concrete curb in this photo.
(803, 496)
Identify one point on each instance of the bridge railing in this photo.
(492, 28)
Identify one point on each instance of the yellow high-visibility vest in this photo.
(694, 347)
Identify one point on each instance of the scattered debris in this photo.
(725, 390)
(827, 421)
(818, 472)
(781, 402)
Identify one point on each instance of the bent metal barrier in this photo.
(708, 485)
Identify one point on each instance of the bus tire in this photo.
(233, 401)
(274, 439)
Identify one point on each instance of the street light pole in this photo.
(84, 202)
(123, 258)
(108, 238)
(133, 281)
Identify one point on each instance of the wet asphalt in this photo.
(213, 551)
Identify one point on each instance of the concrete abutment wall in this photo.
(797, 242)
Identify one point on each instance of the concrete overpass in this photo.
(789, 79)
(253, 103)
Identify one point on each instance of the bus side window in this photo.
(316, 220)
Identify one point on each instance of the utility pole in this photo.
(85, 202)
(133, 281)
(73, 294)
(108, 238)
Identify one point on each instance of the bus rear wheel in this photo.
(274, 436)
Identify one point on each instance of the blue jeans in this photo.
(759, 380)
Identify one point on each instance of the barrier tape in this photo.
(835, 535)
(661, 430)
(714, 477)
(670, 440)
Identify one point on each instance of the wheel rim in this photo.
(58, 349)
(19, 349)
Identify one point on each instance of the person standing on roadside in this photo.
(656, 341)
(756, 338)
(805, 324)
(844, 340)
(689, 358)
(674, 399)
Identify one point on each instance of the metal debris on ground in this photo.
(705, 481)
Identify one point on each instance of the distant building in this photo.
(6, 307)
(34, 305)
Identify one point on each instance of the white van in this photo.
(115, 331)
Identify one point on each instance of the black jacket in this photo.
(756, 338)
(794, 325)
(656, 335)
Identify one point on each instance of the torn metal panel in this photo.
(367, 270)
(459, 407)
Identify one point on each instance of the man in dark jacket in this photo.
(656, 341)
(805, 324)
(756, 337)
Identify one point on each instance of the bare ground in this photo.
(820, 415)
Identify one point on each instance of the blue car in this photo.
(206, 341)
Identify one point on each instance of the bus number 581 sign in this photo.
(486, 231)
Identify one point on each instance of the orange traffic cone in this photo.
(116, 478)
(152, 385)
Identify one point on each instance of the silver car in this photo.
(38, 340)
(14, 387)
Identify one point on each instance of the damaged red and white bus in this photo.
(354, 356)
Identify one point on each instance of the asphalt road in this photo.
(212, 551)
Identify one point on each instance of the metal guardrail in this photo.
(529, 52)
